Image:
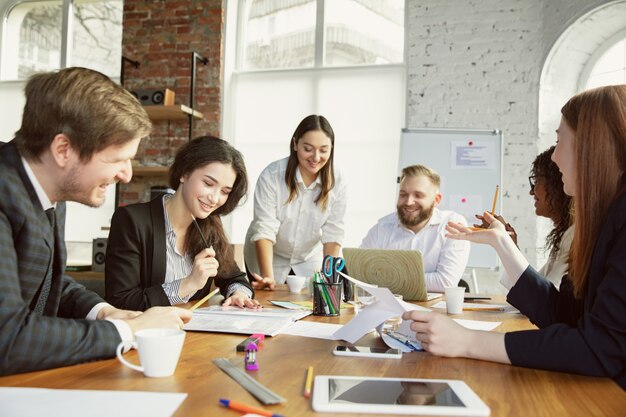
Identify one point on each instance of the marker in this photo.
(308, 383)
(235, 405)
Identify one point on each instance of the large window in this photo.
(343, 59)
(34, 38)
(309, 33)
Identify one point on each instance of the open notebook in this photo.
(402, 271)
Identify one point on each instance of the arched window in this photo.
(343, 59)
(609, 65)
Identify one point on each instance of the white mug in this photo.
(159, 350)
(295, 283)
(454, 299)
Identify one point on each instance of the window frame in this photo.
(67, 10)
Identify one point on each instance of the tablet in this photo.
(357, 394)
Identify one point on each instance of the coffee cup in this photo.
(159, 350)
(295, 283)
(454, 299)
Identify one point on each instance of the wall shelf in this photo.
(176, 112)
(146, 171)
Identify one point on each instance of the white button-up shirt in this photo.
(297, 229)
(444, 259)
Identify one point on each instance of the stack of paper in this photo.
(268, 321)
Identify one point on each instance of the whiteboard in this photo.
(469, 162)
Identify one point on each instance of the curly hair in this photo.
(559, 204)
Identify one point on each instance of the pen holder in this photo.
(326, 299)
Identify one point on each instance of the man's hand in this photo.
(112, 313)
(172, 317)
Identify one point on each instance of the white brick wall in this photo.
(479, 65)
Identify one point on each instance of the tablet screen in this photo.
(358, 391)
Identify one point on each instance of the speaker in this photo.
(99, 254)
(158, 96)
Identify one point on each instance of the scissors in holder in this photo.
(331, 268)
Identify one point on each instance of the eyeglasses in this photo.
(532, 180)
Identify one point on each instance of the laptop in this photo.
(402, 271)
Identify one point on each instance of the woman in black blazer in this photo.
(582, 327)
(157, 256)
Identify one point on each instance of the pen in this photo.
(476, 298)
(405, 342)
(204, 299)
(495, 200)
(309, 381)
(235, 405)
(206, 244)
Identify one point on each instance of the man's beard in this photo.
(410, 220)
(71, 190)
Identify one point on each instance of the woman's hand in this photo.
(439, 334)
(260, 283)
(478, 235)
(204, 266)
(241, 299)
(507, 227)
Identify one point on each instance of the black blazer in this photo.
(136, 260)
(585, 336)
(62, 336)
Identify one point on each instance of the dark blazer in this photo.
(61, 336)
(585, 336)
(136, 259)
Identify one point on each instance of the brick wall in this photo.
(162, 35)
(478, 65)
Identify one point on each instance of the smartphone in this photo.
(367, 352)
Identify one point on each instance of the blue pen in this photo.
(235, 405)
(404, 341)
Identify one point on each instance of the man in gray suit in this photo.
(79, 132)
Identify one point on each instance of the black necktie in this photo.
(47, 283)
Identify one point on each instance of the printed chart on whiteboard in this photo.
(469, 162)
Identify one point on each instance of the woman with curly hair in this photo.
(551, 201)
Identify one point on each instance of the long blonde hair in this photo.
(598, 118)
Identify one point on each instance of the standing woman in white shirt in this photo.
(299, 205)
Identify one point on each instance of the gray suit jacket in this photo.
(62, 336)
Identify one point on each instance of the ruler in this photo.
(261, 392)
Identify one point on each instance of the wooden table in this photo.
(283, 360)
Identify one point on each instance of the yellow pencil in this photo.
(495, 200)
(309, 381)
(206, 298)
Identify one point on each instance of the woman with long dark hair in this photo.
(157, 256)
(299, 205)
(581, 327)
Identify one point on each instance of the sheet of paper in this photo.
(242, 324)
(36, 402)
(385, 307)
(312, 329)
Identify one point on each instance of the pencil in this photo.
(204, 299)
(483, 309)
(206, 244)
(309, 381)
(495, 200)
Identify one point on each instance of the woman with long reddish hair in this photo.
(582, 327)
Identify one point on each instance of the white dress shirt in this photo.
(444, 259)
(297, 229)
